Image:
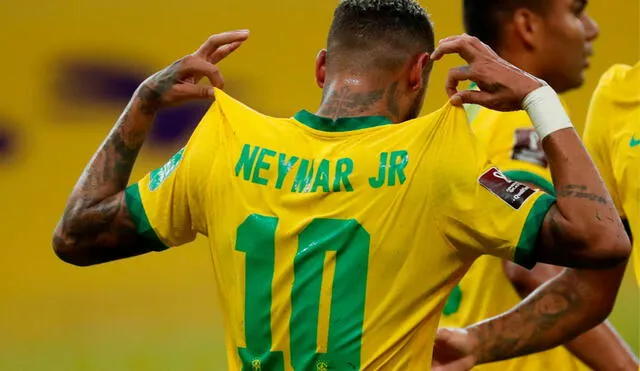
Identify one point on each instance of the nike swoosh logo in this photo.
(634, 142)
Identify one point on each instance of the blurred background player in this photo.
(285, 202)
(551, 39)
(612, 136)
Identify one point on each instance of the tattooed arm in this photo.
(96, 226)
(557, 312)
(600, 348)
(583, 228)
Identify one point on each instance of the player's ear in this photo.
(419, 71)
(321, 67)
(528, 27)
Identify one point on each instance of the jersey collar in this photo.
(341, 124)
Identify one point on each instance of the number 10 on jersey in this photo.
(350, 241)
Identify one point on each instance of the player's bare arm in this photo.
(557, 312)
(582, 229)
(600, 348)
(96, 226)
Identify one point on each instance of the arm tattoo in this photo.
(96, 213)
(581, 191)
(96, 225)
(151, 95)
(542, 322)
(96, 221)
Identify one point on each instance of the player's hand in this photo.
(503, 86)
(454, 350)
(179, 82)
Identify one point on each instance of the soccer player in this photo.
(551, 39)
(337, 236)
(612, 136)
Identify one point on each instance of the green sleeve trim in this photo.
(525, 250)
(139, 216)
(535, 179)
(453, 302)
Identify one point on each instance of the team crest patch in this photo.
(513, 193)
(528, 148)
(158, 176)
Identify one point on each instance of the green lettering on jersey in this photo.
(382, 172)
(351, 243)
(256, 238)
(261, 165)
(399, 161)
(158, 176)
(322, 177)
(344, 168)
(246, 161)
(284, 167)
(302, 183)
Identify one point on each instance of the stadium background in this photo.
(68, 68)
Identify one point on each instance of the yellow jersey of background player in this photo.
(612, 136)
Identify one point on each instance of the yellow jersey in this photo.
(612, 136)
(335, 244)
(513, 145)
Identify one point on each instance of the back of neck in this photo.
(353, 97)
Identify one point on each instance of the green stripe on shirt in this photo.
(531, 178)
(525, 249)
(139, 217)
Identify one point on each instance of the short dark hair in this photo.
(484, 19)
(381, 31)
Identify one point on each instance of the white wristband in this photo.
(546, 111)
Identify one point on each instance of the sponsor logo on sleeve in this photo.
(158, 176)
(528, 147)
(513, 193)
(634, 142)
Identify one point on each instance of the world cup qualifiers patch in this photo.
(528, 148)
(513, 193)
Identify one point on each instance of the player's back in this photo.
(335, 243)
(332, 220)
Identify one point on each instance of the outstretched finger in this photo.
(218, 40)
(199, 67)
(223, 51)
(472, 97)
(456, 75)
(460, 46)
(450, 38)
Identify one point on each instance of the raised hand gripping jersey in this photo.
(335, 243)
(513, 145)
(612, 136)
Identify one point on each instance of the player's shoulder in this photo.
(620, 83)
(447, 116)
(229, 106)
(239, 116)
